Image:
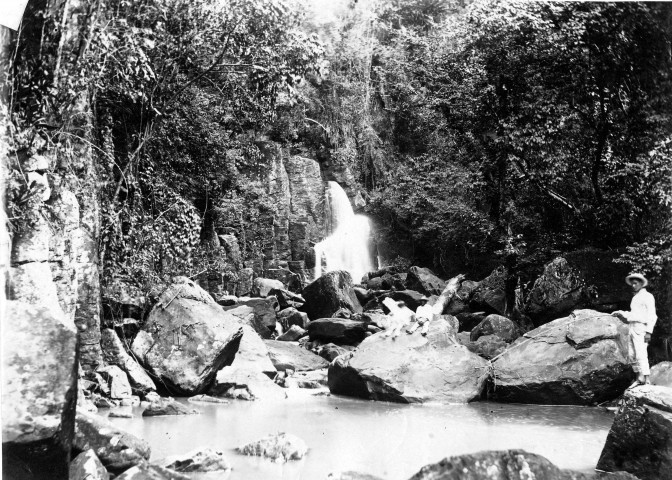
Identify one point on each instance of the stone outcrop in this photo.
(640, 439)
(580, 359)
(411, 368)
(329, 293)
(187, 339)
(252, 353)
(291, 356)
(39, 374)
(116, 449)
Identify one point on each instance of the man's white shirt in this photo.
(642, 311)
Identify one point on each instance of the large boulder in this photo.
(640, 439)
(264, 286)
(259, 313)
(329, 293)
(39, 380)
(291, 316)
(487, 346)
(187, 338)
(337, 330)
(578, 360)
(582, 279)
(498, 325)
(496, 465)
(425, 281)
(117, 449)
(411, 368)
(411, 298)
(146, 471)
(114, 353)
(117, 381)
(490, 296)
(330, 351)
(291, 356)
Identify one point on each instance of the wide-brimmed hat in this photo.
(636, 276)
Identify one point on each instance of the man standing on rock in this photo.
(641, 319)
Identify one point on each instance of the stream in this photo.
(389, 440)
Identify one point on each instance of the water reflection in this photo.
(385, 439)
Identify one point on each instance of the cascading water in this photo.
(347, 246)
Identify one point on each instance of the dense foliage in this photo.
(520, 128)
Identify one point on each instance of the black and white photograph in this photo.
(335, 240)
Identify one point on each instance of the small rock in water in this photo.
(145, 471)
(279, 448)
(152, 397)
(199, 460)
(167, 407)
(118, 414)
(102, 402)
(207, 399)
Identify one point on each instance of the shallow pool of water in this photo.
(390, 440)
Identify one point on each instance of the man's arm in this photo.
(651, 317)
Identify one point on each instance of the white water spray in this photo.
(347, 246)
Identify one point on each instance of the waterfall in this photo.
(347, 245)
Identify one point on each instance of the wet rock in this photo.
(168, 406)
(114, 353)
(496, 325)
(102, 402)
(487, 346)
(425, 281)
(468, 320)
(342, 313)
(661, 374)
(87, 466)
(199, 460)
(330, 351)
(460, 302)
(312, 380)
(39, 375)
(116, 449)
(227, 300)
(337, 330)
(496, 465)
(120, 414)
(145, 471)
(264, 286)
(259, 313)
(279, 448)
(328, 294)
(291, 316)
(287, 299)
(640, 439)
(187, 340)
(293, 334)
(291, 356)
(411, 368)
(152, 397)
(363, 295)
(206, 399)
(573, 360)
(117, 381)
(245, 384)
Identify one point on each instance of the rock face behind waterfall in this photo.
(411, 368)
(572, 360)
(329, 293)
(640, 439)
(187, 339)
